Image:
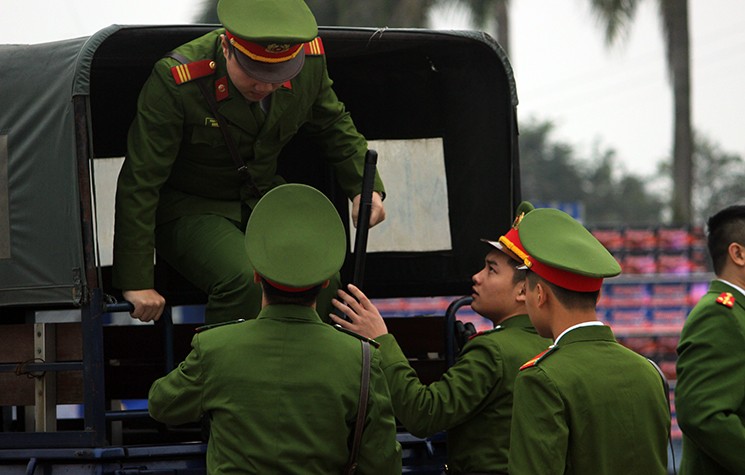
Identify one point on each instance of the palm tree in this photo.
(617, 16)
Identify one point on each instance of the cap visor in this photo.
(504, 249)
(273, 73)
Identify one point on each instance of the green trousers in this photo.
(209, 251)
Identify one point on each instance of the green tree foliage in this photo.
(548, 169)
(551, 171)
(718, 179)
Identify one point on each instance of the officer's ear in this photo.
(257, 278)
(737, 254)
(520, 291)
(541, 292)
(600, 294)
(225, 46)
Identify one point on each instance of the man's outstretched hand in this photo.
(364, 317)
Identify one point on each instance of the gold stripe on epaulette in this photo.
(314, 49)
(183, 73)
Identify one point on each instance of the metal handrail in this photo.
(450, 327)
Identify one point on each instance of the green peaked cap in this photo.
(554, 238)
(295, 237)
(268, 21)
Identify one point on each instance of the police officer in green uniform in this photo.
(710, 391)
(282, 390)
(473, 399)
(179, 189)
(587, 405)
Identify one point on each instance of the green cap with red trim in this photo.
(268, 36)
(559, 249)
(295, 238)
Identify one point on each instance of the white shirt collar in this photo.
(739, 289)
(593, 323)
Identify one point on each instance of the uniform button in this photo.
(221, 88)
(212, 65)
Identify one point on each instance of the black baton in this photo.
(363, 223)
(363, 218)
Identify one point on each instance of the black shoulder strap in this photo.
(242, 168)
(359, 425)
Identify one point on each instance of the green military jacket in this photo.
(472, 400)
(589, 406)
(178, 164)
(282, 393)
(710, 391)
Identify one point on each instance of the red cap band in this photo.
(272, 53)
(563, 278)
(567, 280)
(284, 288)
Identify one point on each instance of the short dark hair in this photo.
(518, 275)
(569, 298)
(724, 228)
(275, 296)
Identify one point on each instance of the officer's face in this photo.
(249, 87)
(495, 295)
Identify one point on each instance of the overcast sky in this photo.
(612, 98)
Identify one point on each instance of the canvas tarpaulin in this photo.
(41, 260)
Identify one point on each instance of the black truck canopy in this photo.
(440, 108)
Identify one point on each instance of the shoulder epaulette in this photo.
(357, 335)
(314, 47)
(215, 325)
(726, 299)
(486, 332)
(538, 358)
(184, 73)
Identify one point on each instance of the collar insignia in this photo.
(726, 299)
(540, 356)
